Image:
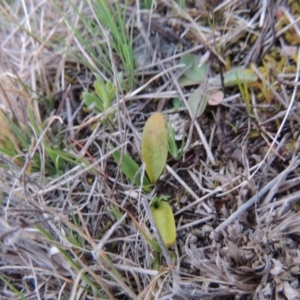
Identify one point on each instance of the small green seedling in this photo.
(172, 145)
(164, 220)
(103, 97)
(195, 71)
(154, 155)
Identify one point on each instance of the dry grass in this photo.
(66, 224)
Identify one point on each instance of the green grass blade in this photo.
(12, 288)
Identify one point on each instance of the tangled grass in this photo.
(72, 223)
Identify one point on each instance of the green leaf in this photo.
(234, 77)
(111, 91)
(60, 158)
(197, 103)
(155, 146)
(12, 287)
(196, 73)
(101, 92)
(131, 169)
(172, 144)
(92, 101)
(176, 103)
(164, 220)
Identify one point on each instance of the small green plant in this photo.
(155, 141)
(154, 154)
(103, 97)
(172, 145)
(195, 73)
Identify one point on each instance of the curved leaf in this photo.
(164, 219)
(234, 77)
(92, 101)
(197, 102)
(131, 170)
(155, 146)
(196, 73)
